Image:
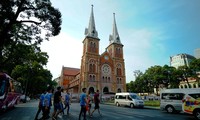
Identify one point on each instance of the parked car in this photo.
(128, 99)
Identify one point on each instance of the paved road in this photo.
(26, 111)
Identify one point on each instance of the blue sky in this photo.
(150, 30)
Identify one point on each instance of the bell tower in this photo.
(115, 50)
(89, 73)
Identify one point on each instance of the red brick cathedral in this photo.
(105, 71)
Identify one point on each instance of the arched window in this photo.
(105, 89)
(118, 51)
(109, 79)
(91, 44)
(185, 86)
(90, 68)
(181, 86)
(103, 79)
(91, 90)
(194, 85)
(93, 78)
(106, 79)
(94, 47)
(118, 69)
(119, 90)
(90, 48)
(117, 80)
(93, 68)
(90, 77)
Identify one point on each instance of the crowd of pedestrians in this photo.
(62, 101)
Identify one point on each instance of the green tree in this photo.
(185, 73)
(154, 74)
(130, 86)
(170, 77)
(195, 68)
(29, 69)
(24, 25)
(33, 77)
(26, 22)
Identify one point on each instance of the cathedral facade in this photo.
(105, 71)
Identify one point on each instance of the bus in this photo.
(10, 92)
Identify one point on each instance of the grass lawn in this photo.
(154, 103)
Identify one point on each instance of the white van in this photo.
(171, 100)
(128, 99)
(191, 104)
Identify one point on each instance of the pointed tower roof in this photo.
(114, 38)
(91, 30)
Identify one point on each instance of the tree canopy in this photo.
(25, 24)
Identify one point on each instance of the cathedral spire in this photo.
(114, 38)
(91, 30)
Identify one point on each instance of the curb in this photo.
(145, 107)
(150, 107)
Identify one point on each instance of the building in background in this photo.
(104, 72)
(197, 53)
(68, 74)
(181, 60)
(184, 60)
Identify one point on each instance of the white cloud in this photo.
(63, 50)
(138, 47)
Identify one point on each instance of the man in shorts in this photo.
(57, 103)
(96, 103)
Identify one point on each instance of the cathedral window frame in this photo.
(92, 66)
(92, 77)
(118, 69)
(92, 46)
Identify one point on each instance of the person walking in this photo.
(83, 104)
(41, 100)
(89, 102)
(96, 103)
(67, 102)
(63, 100)
(47, 104)
(57, 103)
